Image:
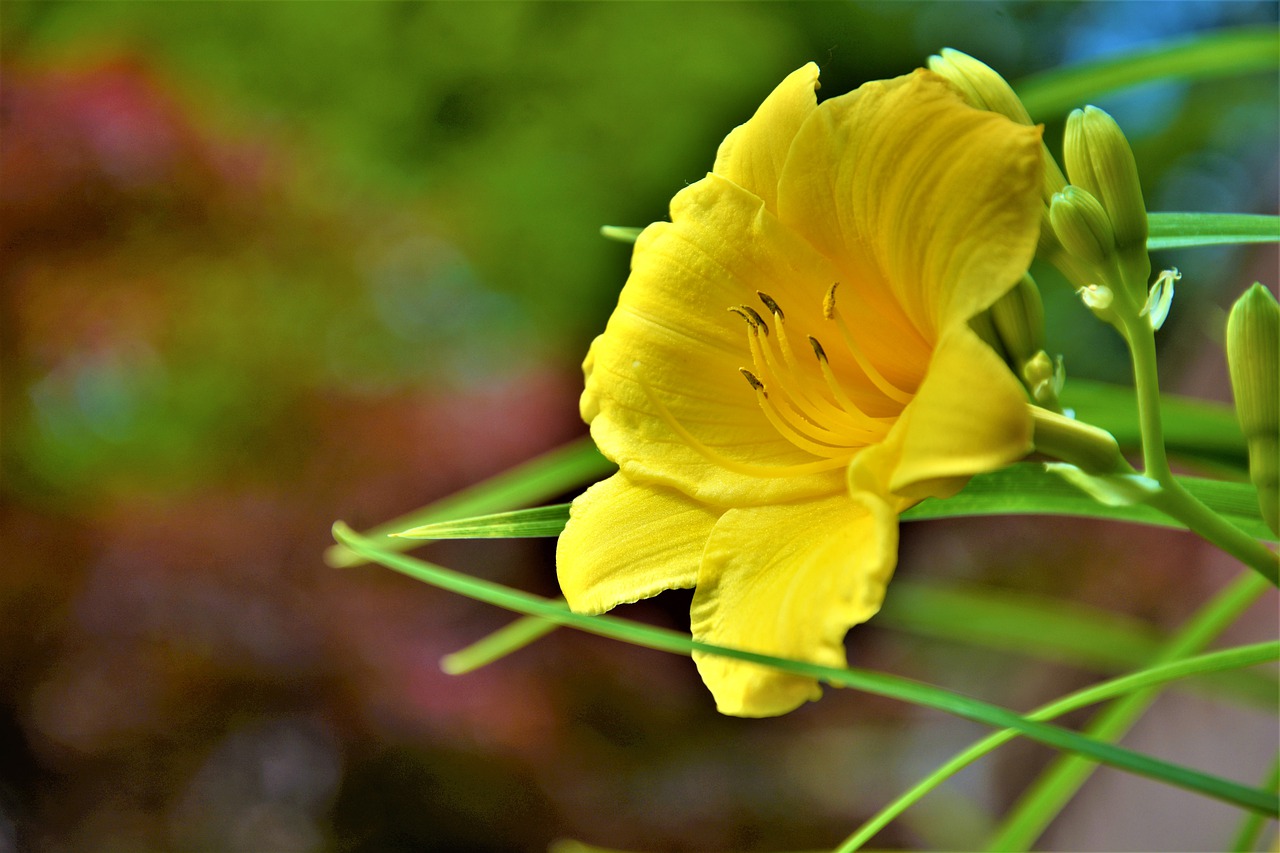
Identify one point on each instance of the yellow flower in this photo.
(790, 365)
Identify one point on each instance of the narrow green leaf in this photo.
(532, 523)
(1220, 661)
(1024, 489)
(1193, 428)
(1028, 489)
(1048, 795)
(878, 683)
(554, 473)
(1046, 629)
(499, 644)
(1251, 827)
(1181, 230)
(1224, 53)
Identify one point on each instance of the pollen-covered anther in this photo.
(756, 384)
(829, 301)
(752, 316)
(771, 305)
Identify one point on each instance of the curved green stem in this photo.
(1146, 383)
(1173, 500)
(1176, 502)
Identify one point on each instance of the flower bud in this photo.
(982, 87)
(1045, 378)
(1253, 356)
(1018, 317)
(1099, 159)
(1082, 225)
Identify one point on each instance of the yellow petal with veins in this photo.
(788, 580)
(625, 542)
(925, 203)
(753, 153)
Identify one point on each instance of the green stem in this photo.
(1173, 500)
(1176, 502)
(1146, 382)
(1042, 802)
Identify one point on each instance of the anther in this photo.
(756, 384)
(829, 301)
(752, 317)
(771, 305)
(817, 348)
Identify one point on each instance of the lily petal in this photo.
(672, 352)
(625, 542)
(788, 580)
(920, 199)
(753, 153)
(970, 416)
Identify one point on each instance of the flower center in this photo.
(804, 398)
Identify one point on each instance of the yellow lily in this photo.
(790, 365)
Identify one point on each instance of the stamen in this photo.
(878, 424)
(752, 317)
(815, 412)
(886, 387)
(771, 305)
(788, 428)
(751, 470)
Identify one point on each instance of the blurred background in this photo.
(269, 265)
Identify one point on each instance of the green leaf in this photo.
(1227, 659)
(1180, 230)
(1195, 429)
(878, 683)
(1024, 489)
(1224, 53)
(521, 524)
(1046, 798)
(561, 470)
(1045, 628)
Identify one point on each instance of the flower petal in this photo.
(753, 153)
(788, 580)
(917, 197)
(673, 339)
(970, 416)
(625, 542)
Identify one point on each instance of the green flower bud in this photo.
(1045, 378)
(982, 87)
(1018, 317)
(1082, 225)
(1253, 355)
(1099, 159)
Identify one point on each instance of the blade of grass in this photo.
(1250, 831)
(878, 683)
(1045, 798)
(1025, 489)
(1182, 230)
(502, 642)
(1192, 428)
(1224, 53)
(553, 473)
(1166, 230)
(1220, 661)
